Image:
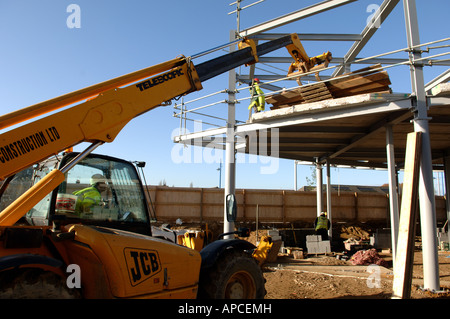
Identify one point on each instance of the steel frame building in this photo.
(326, 133)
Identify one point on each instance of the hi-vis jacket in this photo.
(258, 99)
(321, 222)
(86, 198)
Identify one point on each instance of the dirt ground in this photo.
(326, 277)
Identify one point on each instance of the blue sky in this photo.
(42, 58)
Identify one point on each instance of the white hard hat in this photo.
(97, 178)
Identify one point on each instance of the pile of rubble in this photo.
(355, 232)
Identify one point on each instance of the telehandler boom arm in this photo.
(106, 109)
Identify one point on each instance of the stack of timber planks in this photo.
(372, 79)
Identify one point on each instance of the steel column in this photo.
(447, 190)
(426, 187)
(329, 208)
(295, 175)
(319, 187)
(393, 189)
(230, 163)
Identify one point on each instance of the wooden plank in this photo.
(367, 80)
(373, 87)
(313, 87)
(361, 72)
(315, 92)
(360, 80)
(408, 216)
(289, 96)
(317, 96)
(286, 103)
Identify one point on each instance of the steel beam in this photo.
(385, 9)
(337, 60)
(310, 36)
(372, 130)
(199, 135)
(307, 119)
(301, 118)
(354, 164)
(359, 60)
(441, 78)
(294, 16)
(273, 77)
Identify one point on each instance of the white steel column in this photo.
(426, 187)
(393, 189)
(230, 163)
(295, 175)
(319, 187)
(330, 231)
(447, 190)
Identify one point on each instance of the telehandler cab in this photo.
(77, 225)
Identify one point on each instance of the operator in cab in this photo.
(91, 196)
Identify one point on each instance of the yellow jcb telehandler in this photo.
(77, 225)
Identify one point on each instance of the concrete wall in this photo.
(273, 206)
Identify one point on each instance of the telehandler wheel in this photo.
(34, 283)
(235, 275)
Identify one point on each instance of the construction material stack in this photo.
(372, 79)
(315, 245)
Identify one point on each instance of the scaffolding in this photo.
(224, 136)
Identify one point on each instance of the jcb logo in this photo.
(142, 264)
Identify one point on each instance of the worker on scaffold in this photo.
(258, 101)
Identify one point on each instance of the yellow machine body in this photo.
(137, 265)
(118, 264)
(114, 263)
(262, 251)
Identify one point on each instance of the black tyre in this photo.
(235, 275)
(33, 283)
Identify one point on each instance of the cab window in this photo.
(102, 190)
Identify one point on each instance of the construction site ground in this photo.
(330, 276)
(326, 277)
